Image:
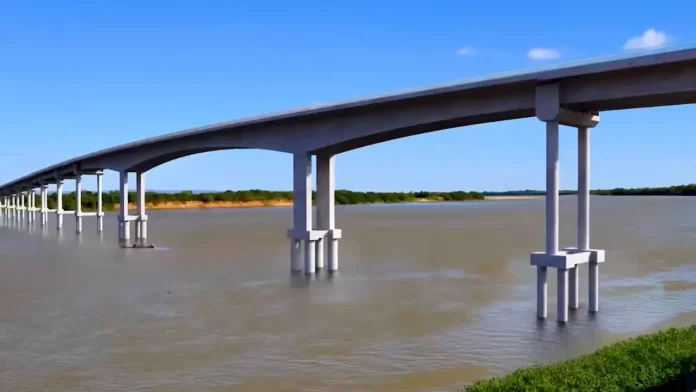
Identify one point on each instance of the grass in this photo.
(655, 362)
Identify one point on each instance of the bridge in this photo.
(572, 95)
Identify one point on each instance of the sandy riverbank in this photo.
(177, 205)
(520, 197)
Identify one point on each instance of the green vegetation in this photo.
(655, 362)
(110, 199)
(527, 192)
(678, 190)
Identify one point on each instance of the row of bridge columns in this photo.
(13, 206)
(316, 237)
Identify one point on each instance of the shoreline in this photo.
(519, 197)
(190, 205)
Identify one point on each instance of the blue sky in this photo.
(77, 76)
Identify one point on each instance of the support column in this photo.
(573, 298)
(100, 208)
(141, 224)
(552, 174)
(302, 214)
(551, 248)
(552, 170)
(25, 205)
(44, 200)
(30, 205)
(562, 305)
(326, 212)
(33, 205)
(542, 296)
(78, 202)
(59, 203)
(21, 206)
(124, 224)
(42, 209)
(584, 215)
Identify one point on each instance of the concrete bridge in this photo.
(570, 96)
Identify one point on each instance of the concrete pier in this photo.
(301, 231)
(78, 201)
(21, 208)
(32, 205)
(141, 223)
(100, 208)
(573, 294)
(584, 215)
(44, 204)
(562, 303)
(327, 245)
(123, 218)
(542, 292)
(59, 203)
(566, 261)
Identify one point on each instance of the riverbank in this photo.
(252, 198)
(519, 197)
(183, 205)
(656, 362)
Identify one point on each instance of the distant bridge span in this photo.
(570, 95)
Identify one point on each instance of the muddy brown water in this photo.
(430, 297)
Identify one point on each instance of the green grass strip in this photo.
(654, 362)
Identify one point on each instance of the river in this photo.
(429, 297)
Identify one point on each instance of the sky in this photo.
(79, 76)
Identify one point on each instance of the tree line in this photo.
(345, 197)
(677, 190)
(111, 199)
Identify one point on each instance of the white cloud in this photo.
(543, 54)
(466, 51)
(651, 38)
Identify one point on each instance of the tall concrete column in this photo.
(24, 206)
(552, 170)
(562, 305)
(124, 223)
(100, 207)
(584, 214)
(78, 202)
(33, 205)
(552, 180)
(141, 224)
(573, 298)
(42, 211)
(302, 213)
(30, 192)
(21, 206)
(542, 292)
(552, 174)
(326, 212)
(59, 203)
